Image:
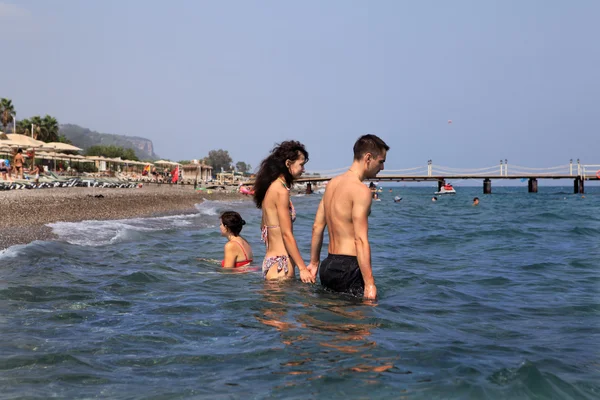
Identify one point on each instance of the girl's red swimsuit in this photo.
(239, 263)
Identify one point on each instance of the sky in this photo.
(518, 79)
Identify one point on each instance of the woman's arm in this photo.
(317, 239)
(282, 202)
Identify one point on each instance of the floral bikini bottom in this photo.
(282, 263)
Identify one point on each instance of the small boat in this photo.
(446, 189)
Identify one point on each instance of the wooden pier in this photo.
(578, 173)
(578, 182)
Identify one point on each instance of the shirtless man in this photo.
(344, 210)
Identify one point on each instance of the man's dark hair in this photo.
(369, 144)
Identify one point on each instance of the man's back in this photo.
(339, 201)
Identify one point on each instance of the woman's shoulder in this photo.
(230, 245)
(245, 241)
(276, 189)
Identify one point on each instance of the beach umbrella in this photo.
(58, 146)
(5, 150)
(165, 162)
(80, 159)
(8, 143)
(24, 141)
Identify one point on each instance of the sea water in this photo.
(495, 301)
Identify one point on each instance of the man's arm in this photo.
(317, 239)
(360, 212)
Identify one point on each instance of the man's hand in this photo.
(313, 268)
(370, 292)
(306, 276)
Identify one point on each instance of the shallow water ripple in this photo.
(495, 301)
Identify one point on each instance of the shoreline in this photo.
(25, 213)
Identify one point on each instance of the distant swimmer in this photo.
(434, 198)
(476, 201)
(397, 199)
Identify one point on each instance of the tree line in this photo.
(112, 152)
(46, 129)
(220, 160)
(40, 128)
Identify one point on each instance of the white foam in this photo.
(214, 207)
(99, 233)
(12, 251)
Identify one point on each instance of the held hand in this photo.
(313, 268)
(370, 292)
(306, 276)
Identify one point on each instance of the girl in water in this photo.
(238, 252)
(275, 176)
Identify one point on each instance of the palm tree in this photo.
(49, 129)
(37, 126)
(7, 112)
(24, 127)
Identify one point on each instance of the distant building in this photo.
(202, 171)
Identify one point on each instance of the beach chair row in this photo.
(52, 180)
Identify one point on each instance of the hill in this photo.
(86, 138)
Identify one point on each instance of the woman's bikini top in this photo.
(239, 263)
(264, 232)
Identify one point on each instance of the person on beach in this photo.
(238, 252)
(35, 171)
(275, 176)
(4, 170)
(344, 210)
(18, 163)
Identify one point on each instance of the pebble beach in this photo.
(25, 213)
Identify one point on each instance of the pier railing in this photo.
(498, 171)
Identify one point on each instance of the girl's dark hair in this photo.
(274, 165)
(233, 221)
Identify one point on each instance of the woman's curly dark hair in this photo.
(274, 165)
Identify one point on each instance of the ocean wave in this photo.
(99, 233)
(215, 207)
(13, 251)
(585, 231)
(529, 382)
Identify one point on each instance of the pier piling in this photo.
(532, 185)
(487, 186)
(578, 187)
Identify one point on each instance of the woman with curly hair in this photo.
(275, 176)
